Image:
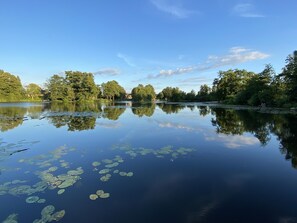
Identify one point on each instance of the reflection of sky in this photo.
(233, 141)
(201, 126)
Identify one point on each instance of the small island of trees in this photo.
(233, 86)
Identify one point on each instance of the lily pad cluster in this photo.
(61, 181)
(35, 199)
(17, 187)
(48, 214)
(46, 160)
(99, 194)
(167, 151)
(12, 218)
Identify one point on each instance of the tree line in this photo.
(233, 86)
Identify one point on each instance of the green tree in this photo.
(34, 92)
(204, 93)
(191, 96)
(11, 88)
(289, 74)
(231, 82)
(59, 90)
(82, 84)
(112, 90)
(143, 93)
(173, 94)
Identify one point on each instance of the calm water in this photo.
(154, 163)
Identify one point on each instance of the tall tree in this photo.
(11, 88)
(143, 93)
(59, 90)
(289, 74)
(112, 90)
(82, 84)
(34, 92)
(231, 82)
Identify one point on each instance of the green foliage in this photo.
(34, 92)
(82, 84)
(112, 90)
(59, 90)
(144, 109)
(143, 93)
(11, 88)
(204, 93)
(76, 86)
(173, 94)
(231, 82)
(290, 76)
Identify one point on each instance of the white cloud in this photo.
(235, 56)
(176, 10)
(233, 141)
(246, 10)
(128, 60)
(168, 73)
(107, 71)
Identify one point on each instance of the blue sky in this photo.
(181, 43)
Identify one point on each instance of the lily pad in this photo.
(52, 169)
(93, 197)
(61, 191)
(32, 199)
(104, 195)
(58, 215)
(99, 192)
(41, 201)
(123, 174)
(48, 210)
(104, 171)
(130, 174)
(96, 163)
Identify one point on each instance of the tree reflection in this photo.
(204, 110)
(171, 108)
(113, 113)
(11, 117)
(143, 109)
(262, 126)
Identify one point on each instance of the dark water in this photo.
(184, 164)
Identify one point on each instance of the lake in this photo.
(146, 163)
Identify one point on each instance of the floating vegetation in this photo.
(52, 169)
(56, 173)
(61, 181)
(96, 163)
(158, 153)
(12, 218)
(32, 199)
(93, 197)
(61, 191)
(112, 165)
(104, 195)
(107, 161)
(48, 215)
(105, 177)
(130, 174)
(104, 171)
(123, 174)
(99, 194)
(41, 201)
(76, 172)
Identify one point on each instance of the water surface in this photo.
(155, 163)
